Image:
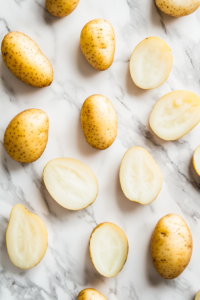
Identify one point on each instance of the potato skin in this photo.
(171, 8)
(90, 294)
(171, 246)
(61, 8)
(25, 60)
(99, 122)
(97, 42)
(26, 135)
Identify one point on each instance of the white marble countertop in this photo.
(66, 268)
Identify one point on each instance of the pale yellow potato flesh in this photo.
(196, 160)
(99, 122)
(26, 238)
(150, 63)
(140, 176)
(197, 297)
(26, 136)
(178, 8)
(97, 42)
(90, 294)
(175, 114)
(171, 246)
(25, 60)
(61, 8)
(70, 183)
(108, 249)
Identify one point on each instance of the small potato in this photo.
(90, 294)
(178, 8)
(99, 122)
(98, 44)
(61, 8)
(26, 136)
(25, 60)
(197, 297)
(171, 246)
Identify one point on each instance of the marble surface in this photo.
(66, 268)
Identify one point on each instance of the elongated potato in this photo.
(98, 44)
(171, 246)
(26, 238)
(25, 60)
(197, 297)
(150, 63)
(71, 183)
(140, 176)
(61, 8)
(108, 249)
(196, 160)
(178, 8)
(90, 294)
(175, 114)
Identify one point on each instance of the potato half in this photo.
(97, 42)
(61, 8)
(140, 176)
(150, 63)
(25, 60)
(175, 114)
(171, 246)
(90, 294)
(108, 249)
(196, 160)
(71, 183)
(26, 238)
(99, 122)
(178, 8)
(197, 297)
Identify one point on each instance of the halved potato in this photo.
(196, 160)
(108, 249)
(26, 238)
(140, 176)
(175, 114)
(71, 183)
(90, 294)
(197, 297)
(150, 63)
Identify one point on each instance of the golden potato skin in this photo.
(171, 246)
(99, 122)
(90, 294)
(98, 44)
(25, 60)
(170, 7)
(26, 136)
(61, 8)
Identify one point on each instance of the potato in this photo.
(140, 176)
(171, 246)
(26, 136)
(71, 183)
(99, 122)
(197, 297)
(196, 160)
(108, 249)
(175, 114)
(61, 8)
(98, 44)
(178, 8)
(90, 294)
(25, 60)
(26, 238)
(150, 63)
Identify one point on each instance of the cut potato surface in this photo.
(71, 183)
(175, 114)
(108, 249)
(150, 63)
(197, 297)
(90, 294)
(140, 176)
(196, 160)
(26, 238)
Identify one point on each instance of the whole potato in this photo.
(90, 294)
(178, 8)
(25, 60)
(171, 246)
(99, 122)
(98, 44)
(26, 136)
(61, 8)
